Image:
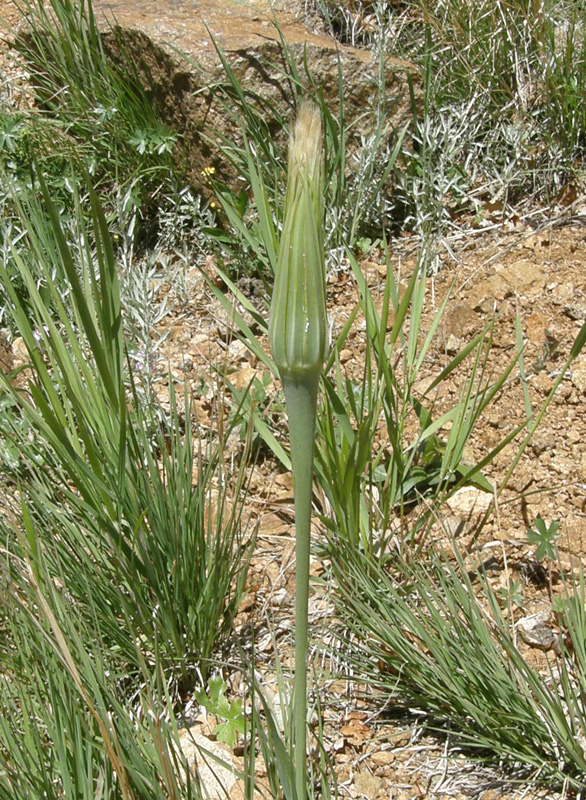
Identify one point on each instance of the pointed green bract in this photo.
(298, 330)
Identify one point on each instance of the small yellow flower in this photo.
(207, 173)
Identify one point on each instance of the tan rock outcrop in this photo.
(171, 43)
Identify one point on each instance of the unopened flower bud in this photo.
(298, 330)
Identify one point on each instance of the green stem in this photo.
(301, 400)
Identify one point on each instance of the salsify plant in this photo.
(298, 335)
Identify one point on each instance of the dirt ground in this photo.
(505, 271)
(530, 268)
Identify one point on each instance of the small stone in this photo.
(272, 524)
(19, 352)
(542, 383)
(279, 598)
(469, 501)
(523, 276)
(575, 312)
(367, 784)
(453, 345)
(6, 357)
(265, 644)
(461, 320)
(535, 327)
(579, 375)
(582, 470)
(535, 632)
(383, 758)
(199, 338)
(284, 481)
(211, 761)
(453, 525)
(237, 350)
(543, 442)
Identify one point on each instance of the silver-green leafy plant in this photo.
(298, 334)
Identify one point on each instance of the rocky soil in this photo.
(529, 268)
(500, 273)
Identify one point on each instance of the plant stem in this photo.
(301, 400)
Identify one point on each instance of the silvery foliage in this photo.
(368, 204)
(182, 219)
(357, 24)
(151, 283)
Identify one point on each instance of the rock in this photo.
(6, 356)
(485, 294)
(152, 35)
(460, 320)
(542, 383)
(572, 565)
(575, 311)
(356, 732)
(366, 784)
(244, 376)
(469, 501)
(382, 758)
(19, 353)
(582, 471)
(535, 632)
(535, 328)
(452, 525)
(579, 374)
(453, 345)
(544, 442)
(213, 763)
(523, 276)
(464, 510)
(279, 597)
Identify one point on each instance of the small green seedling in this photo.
(544, 537)
(512, 594)
(159, 140)
(216, 702)
(559, 606)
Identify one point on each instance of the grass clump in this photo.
(67, 729)
(498, 128)
(431, 635)
(105, 118)
(111, 491)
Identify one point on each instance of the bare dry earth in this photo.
(504, 269)
(508, 270)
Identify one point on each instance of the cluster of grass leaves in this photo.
(84, 114)
(124, 558)
(90, 112)
(67, 727)
(439, 642)
(149, 568)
